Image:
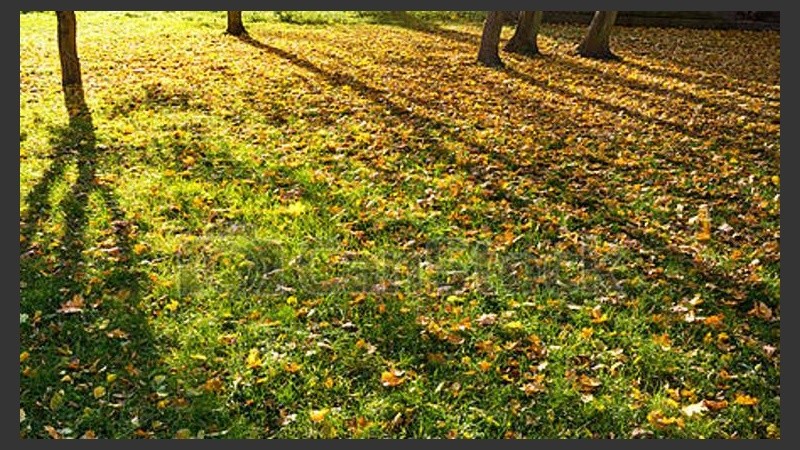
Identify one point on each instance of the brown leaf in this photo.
(486, 320)
(715, 405)
(74, 305)
(761, 311)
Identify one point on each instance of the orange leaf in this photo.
(714, 321)
(392, 378)
(292, 367)
(715, 405)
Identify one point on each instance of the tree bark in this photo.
(488, 53)
(70, 65)
(235, 25)
(595, 42)
(524, 39)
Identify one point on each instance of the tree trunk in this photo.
(488, 53)
(70, 65)
(235, 25)
(595, 43)
(524, 39)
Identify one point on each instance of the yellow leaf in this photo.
(514, 326)
(254, 360)
(776, 180)
(328, 383)
(172, 305)
(318, 415)
(587, 333)
(484, 365)
(659, 420)
(745, 400)
(56, 400)
(99, 391)
(24, 356)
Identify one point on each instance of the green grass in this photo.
(263, 236)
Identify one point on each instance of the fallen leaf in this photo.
(588, 384)
(254, 360)
(74, 305)
(318, 415)
(52, 432)
(99, 391)
(486, 320)
(695, 408)
(292, 367)
(715, 405)
(89, 434)
(761, 311)
(183, 433)
(745, 400)
(660, 421)
(391, 378)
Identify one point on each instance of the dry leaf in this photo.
(761, 311)
(391, 378)
(74, 305)
(487, 319)
(695, 408)
(715, 405)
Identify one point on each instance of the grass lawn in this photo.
(343, 226)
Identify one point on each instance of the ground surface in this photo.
(350, 229)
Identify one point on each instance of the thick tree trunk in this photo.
(524, 39)
(70, 65)
(488, 53)
(595, 43)
(235, 25)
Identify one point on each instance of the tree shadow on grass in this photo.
(93, 364)
(697, 273)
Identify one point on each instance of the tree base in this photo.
(521, 48)
(492, 62)
(603, 54)
(236, 32)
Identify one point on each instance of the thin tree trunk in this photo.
(235, 25)
(70, 65)
(524, 39)
(488, 53)
(595, 43)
